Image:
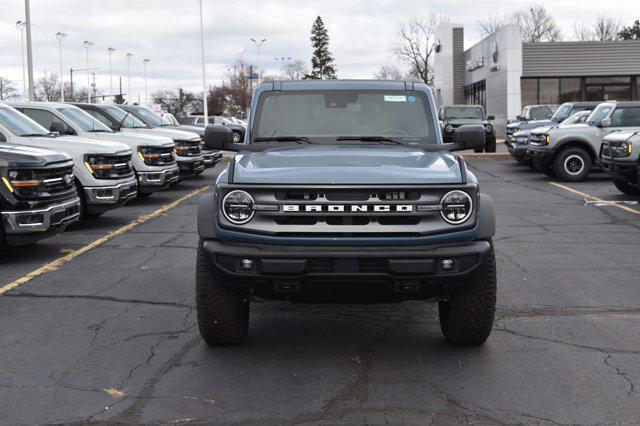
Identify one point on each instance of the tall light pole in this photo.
(110, 50)
(145, 61)
(22, 25)
(129, 55)
(205, 109)
(87, 45)
(259, 46)
(27, 17)
(284, 62)
(61, 36)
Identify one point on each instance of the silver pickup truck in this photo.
(102, 170)
(153, 159)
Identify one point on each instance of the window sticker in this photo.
(395, 98)
(412, 99)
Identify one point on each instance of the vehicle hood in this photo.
(462, 121)
(73, 144)
(347, 165)
(579, 128)
(27, 156)
(176, 135)
(187, 128)
(523, 125)
(134, 140)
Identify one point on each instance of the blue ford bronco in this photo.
(344, 192)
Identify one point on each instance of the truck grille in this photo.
(361, 211)
(188, 148)
(537, 139)
(47, 183)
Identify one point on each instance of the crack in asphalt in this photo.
(621, 373)
(99, 298)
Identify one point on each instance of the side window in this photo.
(625, 117)
(42, 117)
(217, 120)
(199, 120)
(100, 117)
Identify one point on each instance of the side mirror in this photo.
(60, 128)
(606, 122)
(469, 136)
(219, 138)
(521, 118)
(491, 117)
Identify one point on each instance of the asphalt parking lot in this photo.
(108, 333)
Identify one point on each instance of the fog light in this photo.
(447, 264)
(30, 219)
(247, 265)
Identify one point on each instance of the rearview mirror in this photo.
(470, 136)
(218, 137)
(491, 117)
(606, 122)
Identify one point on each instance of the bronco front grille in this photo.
(347, 211)
(537, 139)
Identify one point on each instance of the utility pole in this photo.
(87, 45)
(129, 55)
(27, 13)
(259, 46)
(22, 25)
(110, 50)
(205, 107)
(61, 36)
(145, 61)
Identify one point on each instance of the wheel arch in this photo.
(578, 143)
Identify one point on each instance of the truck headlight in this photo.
(449, 128)
(488, 128)
(623, 149)
(237, 207)
(456, 207)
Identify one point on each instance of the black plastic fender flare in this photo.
(207, 218)
(486, 218)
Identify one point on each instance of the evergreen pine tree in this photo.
(322, 67)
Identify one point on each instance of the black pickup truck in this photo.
(38, 196)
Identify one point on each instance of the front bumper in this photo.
(518, 150)
(27, 226)
(542, 156)
(620, 169)
(190, 165)
(157, 180)
(211, 158)
(103, 198)
(357, 274)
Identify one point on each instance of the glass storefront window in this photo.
(617, 93)
(529, 91)
(607, 80)
(570, 90)
(549, 90)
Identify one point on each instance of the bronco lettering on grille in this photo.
(353, 208)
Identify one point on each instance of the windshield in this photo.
(598, 114)
(331, 115)
(131, 122)
(151, 117)
(83, 120)
(576, 117)
(539, 113)
(19, 124)
(463, 112)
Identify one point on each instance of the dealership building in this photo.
(503, 74)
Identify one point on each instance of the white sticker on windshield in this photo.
(395, 98)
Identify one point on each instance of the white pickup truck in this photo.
(102, 170)
(153, 159)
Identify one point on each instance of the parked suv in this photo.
(155, 121)
(153, 160)
(345, 192)
(454, 116)
(620, 157)
(102, 170)
(198, 120)
(563, 112)
(570, 152)
(536, 112)
(38, 197)
(187, 144)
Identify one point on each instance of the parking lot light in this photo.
(87, 45)
(21, 25)
(145, 61)
(110, 50)
(259, 46)
(61, 36)
(129, 55)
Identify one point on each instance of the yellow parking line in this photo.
(52, 266)
(591, 197)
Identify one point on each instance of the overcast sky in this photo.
(167, 32)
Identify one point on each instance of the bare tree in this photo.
(602, 29)
(389, 72)
(295, 70)
(492, 24)
(415, 45)
(177, 102)
(7, 91)
(536, 24)
(47, 87)
(233, 96)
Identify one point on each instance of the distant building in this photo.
(503, 74)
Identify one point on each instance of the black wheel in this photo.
(466, 318)
(236, 137)
(223, 315)
(478, 149)
(490, 145)
(626, 188)
(572, 164)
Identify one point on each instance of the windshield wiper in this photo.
(28, 135)
(299, 139)
(99, 131)
(380, 139)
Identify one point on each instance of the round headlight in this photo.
(488, 128)
(237, 207)
(456, 207)
(449, 128)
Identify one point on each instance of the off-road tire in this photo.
(466, 318)
(562, 164)
(626, 188)
(490, 145)
(223, 315)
